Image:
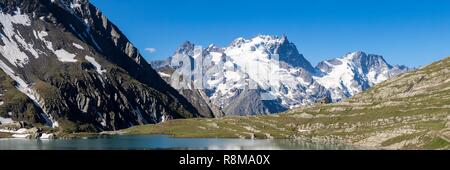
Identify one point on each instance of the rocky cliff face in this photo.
(78, 71)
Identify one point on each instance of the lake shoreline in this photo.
(164, 142)
(122, 133)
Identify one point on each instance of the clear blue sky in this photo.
(410, 32)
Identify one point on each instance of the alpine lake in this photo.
(163, 142)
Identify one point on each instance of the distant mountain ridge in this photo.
(271, 70)
(355, 72)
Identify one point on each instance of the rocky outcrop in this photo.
(197, 97)
(250, 101)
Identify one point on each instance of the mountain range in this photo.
(267, 74)
(64, 68)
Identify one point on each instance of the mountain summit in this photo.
(355, 72)
(267, 74)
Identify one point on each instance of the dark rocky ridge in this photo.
(289, 55)
(74, 94)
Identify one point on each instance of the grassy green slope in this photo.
(411, 111)
(13, 101)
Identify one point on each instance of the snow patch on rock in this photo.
(164, 74)
(65, 56)
(61, 54)
(20, 135)
(78, 46)
(13, 42)
(47, 136)
(96, 64)
(5, 121)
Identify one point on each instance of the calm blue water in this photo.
(151, 142)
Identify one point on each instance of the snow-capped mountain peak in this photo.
(353, 73)
(267, 65)
(256, 41)
(265, 47)
(185, 47)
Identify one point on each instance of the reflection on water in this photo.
(162, 142)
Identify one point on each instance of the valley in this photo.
(407, 112)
